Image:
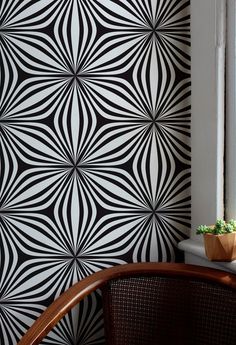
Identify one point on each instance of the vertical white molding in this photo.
(208, 51)
(230, 178)
(220, 92)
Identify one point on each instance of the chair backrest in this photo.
(154, 303)
(168, 310)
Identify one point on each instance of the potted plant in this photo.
(219, 240)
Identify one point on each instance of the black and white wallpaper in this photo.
(94, 149)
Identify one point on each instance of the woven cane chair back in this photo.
(153, 303)
(161, 310)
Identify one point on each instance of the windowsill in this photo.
(195, 254)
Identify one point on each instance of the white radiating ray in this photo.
(75, 32)
(153, 166)
(8, 168)
(75, 122)
(152, 76)
(8, 79)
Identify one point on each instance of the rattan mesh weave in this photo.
(166, 311)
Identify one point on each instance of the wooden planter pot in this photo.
(220, 247)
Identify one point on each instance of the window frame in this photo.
(208, 21)
(230, 142)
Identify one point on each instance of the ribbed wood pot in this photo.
(220, 247)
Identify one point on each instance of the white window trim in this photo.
(208, 19)
(208, 30)
(230, 178)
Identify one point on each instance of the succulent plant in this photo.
(220, 227)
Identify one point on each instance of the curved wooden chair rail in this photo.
(60, 307)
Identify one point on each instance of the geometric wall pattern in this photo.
(94, 149)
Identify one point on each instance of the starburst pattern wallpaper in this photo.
(95, 149)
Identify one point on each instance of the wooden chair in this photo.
(154, 303)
